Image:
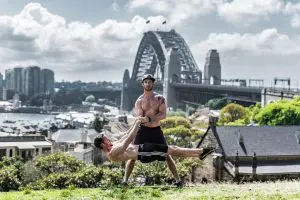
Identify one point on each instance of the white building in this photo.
(82, 152)
(27, 147)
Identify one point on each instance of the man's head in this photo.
(102, 142)
(148, 82)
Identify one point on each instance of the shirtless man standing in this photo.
(152, 108)
(123, 149)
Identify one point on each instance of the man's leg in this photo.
(128, 169)
(189, 152)
(172, 167)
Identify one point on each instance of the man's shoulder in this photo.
(140, 97)
(158, 96)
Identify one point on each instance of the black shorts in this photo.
(150, 135)
(149, 152)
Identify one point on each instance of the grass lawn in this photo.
(277, 190)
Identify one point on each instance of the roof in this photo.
(263, 140)
(73, 135)
(26, 145)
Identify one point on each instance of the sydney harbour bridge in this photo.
(166, 55)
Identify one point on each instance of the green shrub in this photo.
(233, 112)
(178, 113)
(200, 124)
(9, 179)
(31, 173)
(282, 112)
(171, 122)
(158, 172)
(56, 180)
(57, 162)
(112, 176)
(218, 103)
(87, 177)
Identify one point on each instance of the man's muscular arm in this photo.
(162, 110)
(123, 145)
(138, 108)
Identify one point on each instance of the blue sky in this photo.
(96, 40)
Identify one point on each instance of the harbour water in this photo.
(25, 117)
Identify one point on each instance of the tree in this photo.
(282, 112)
(254, 110)
(217, 104)
(233, 112)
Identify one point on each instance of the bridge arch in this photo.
(151, 46)
(154, 51)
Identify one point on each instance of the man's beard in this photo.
(148, 88)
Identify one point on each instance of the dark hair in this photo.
(98, 141)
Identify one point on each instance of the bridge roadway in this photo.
(218, 87)
(202, 93)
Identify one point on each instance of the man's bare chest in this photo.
(150, 103)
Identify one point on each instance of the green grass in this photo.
(277, 190)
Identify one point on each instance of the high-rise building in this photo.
(47, 81)
(8, 80)
(17, 79)
(32, 80)
(1, 81)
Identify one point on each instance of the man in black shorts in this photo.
(152, 108)
(123, 149)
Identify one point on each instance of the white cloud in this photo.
(36, 36)
(250, 10)
(265, 54)
(295, 21)
(157, 6)
(243, 12)
(177, 11)
(266, 42)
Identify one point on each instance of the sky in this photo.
(97, 40)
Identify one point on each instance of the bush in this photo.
(254, 110)
(11, 173)
(87, 177)
(196, 135)
(112, 176)
(31, 173)
(217, 104)
(9, 179)
(282, 112)
(57, 162)
(239, 122)
(233, 112)
(177, 113)
(171, 122)
(200, 124)
(57, 180)
(157, 172)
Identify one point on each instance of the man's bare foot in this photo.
(206, 151)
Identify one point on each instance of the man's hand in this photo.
(144, 120)
(137, 122)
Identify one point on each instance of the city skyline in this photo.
(30, 80)
(256, 39)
